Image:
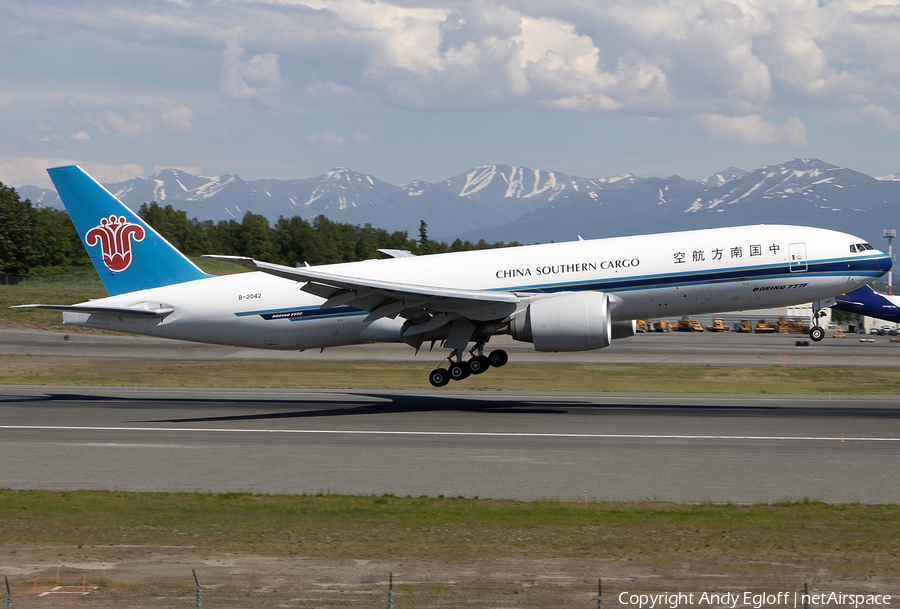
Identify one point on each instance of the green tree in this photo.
(17, 220)
(57, 245)
(191, 237)
(295, 241)
(255, 237)
(338, 241)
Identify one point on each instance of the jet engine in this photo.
(624, 329)
(570, 321)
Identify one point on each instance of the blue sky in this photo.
(425, 89)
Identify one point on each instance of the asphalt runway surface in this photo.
(453, 443)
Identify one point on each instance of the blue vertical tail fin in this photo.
(127, 253)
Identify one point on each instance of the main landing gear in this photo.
(461, 369)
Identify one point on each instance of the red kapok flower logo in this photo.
(114, 237)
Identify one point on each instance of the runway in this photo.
(502, 445)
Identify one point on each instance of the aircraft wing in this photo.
(97, 309)
(388, 298)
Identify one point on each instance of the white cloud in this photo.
(142, 124)
(753, 129)
(334, 139)
(881, 117)
(585, 103)
(729, 57)
(329, 91)
(258, 79)
(728, 62)
(185, 168)
(139, 124)
(326, 138)
(178, 118)
(22, 171)
(81, 135)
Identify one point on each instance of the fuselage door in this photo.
(797, 252)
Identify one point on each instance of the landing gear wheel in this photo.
(498, 358)
(439, 377)
(479, 364)
(459, 371)
(817, 333)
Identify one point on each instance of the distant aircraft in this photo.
(868, 302)
(573, 296)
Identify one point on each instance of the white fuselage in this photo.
(692, 272)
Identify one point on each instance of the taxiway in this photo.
(726, 349)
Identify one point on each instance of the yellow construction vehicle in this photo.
(717, 326)
(663, 326)
(746, 326)
(642, 325)
(686, 324)
(764, 328)
(791, 324)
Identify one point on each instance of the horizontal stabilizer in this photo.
(121, 311)
(397, 253)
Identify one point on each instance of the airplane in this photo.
(866, 301)
(572, 296)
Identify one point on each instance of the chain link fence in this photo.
(382, 595)
(53, 282)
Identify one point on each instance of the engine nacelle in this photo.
(571, 321)
(624, 329)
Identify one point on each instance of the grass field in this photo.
(37, 370)
(39, 320)
(766, 544)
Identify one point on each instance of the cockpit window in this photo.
(867, 246)
(852, 249)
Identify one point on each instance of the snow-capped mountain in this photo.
(493, 182)
(801, 191)
(819, 184)
(503, 202)
(720, 177)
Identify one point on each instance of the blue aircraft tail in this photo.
(866, 301)
(127, 253)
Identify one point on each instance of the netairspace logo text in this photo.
(756, 600)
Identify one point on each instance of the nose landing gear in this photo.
(461, 369)
(817, 332)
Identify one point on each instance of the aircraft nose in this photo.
(885, 264)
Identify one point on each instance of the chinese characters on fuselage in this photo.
(718, 253)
